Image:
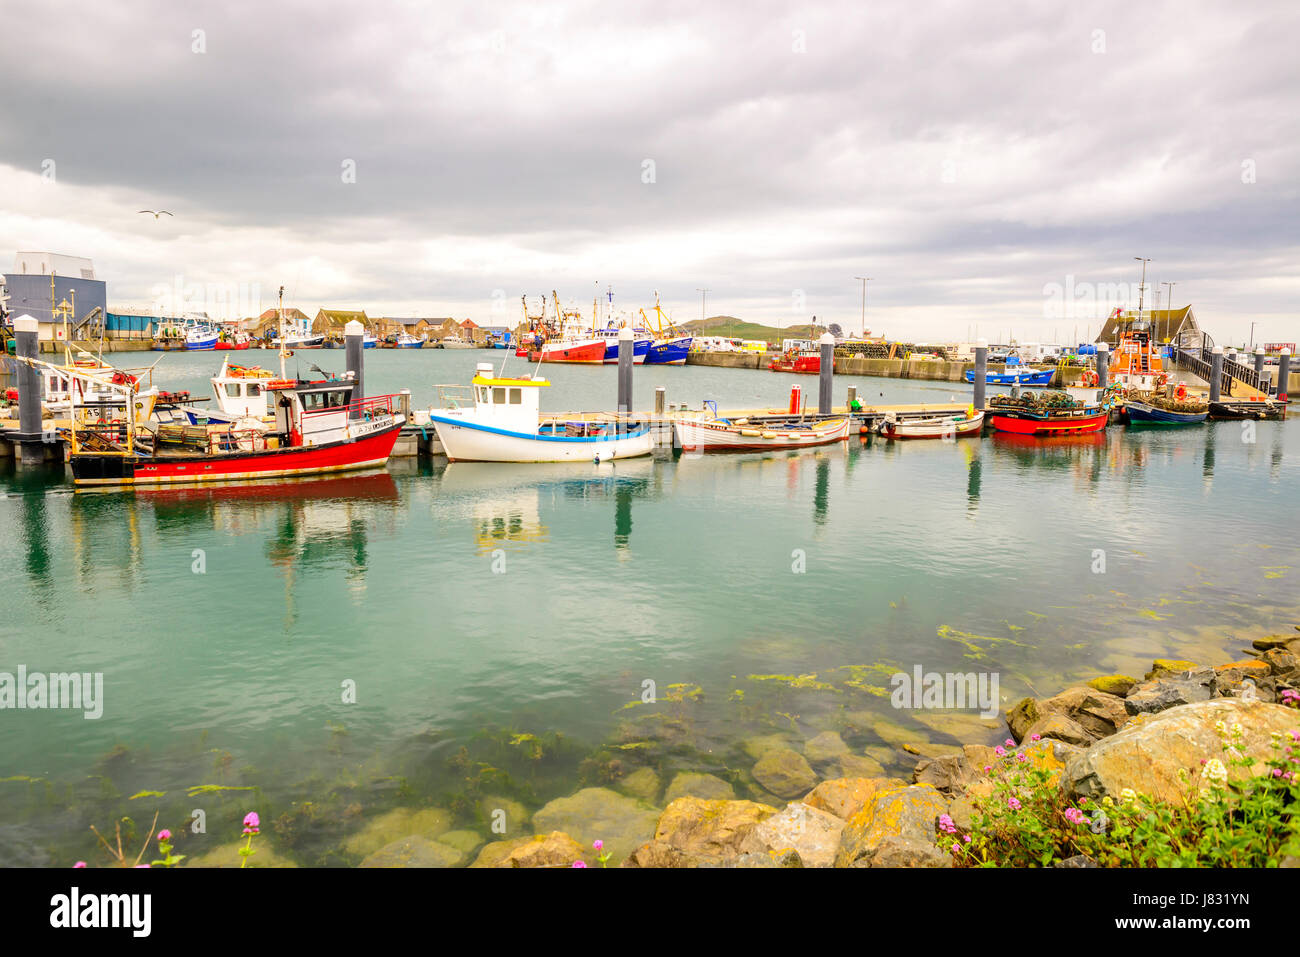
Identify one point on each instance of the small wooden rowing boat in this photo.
(742, 435)
(892, 426)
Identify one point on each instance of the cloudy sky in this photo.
(992, 167)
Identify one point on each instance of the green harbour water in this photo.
(499, 623)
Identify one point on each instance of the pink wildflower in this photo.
(999, 750)
(1010, 743)
(1035, 737)
(598, 844)
(164, 835)
(79, 864)
(1021, 757)
(946, 825)
(1014, 804)
(579, 863)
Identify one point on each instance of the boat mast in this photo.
(281, 322)
(1142, 287)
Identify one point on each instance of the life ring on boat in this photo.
(122, 378)
(1181, 392)
(1090, 377)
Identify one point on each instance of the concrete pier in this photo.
(981, 372)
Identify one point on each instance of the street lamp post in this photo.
(864, 280)
(1169, 306)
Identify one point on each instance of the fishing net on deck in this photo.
(1045, 401)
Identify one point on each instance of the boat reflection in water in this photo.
(503, 502)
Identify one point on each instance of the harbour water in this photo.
(500, 623)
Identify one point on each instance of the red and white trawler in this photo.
(317, 428)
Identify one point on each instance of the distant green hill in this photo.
(735, 328)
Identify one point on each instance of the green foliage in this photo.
(1029, 821)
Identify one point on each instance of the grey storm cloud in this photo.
(964, 154)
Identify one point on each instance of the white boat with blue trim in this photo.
(500, 421)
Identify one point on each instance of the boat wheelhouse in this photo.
(500, 421)
(1137, 364)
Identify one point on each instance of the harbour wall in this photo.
(929, 369)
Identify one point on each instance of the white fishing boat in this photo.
(894, 426)
(241, 393)
(713, 434)
(500, 421)
(455, 342)
(295, 333)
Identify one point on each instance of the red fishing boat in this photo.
(317, 429)
(1070, 422)
(809, 363)
(570, 350)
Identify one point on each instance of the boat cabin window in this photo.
(253, 389)
(516, 396)
(315, 401)
(232, 389)
(499, 396)
(483, 394)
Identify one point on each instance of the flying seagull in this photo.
(161, 212)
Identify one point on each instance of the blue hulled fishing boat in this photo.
(1014, 373)
(1144, 413)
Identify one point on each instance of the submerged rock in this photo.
(706, 786)
(858, 766)
(642, 783)
(785, 773)
(758, 746)
(908, 812)
(464, 841)
(227, 855)
(825, 747)
(599, 814)
(515, 814)
(709, 828)
(384, 829)
(965, 726)
(415, 851)
(813, 833)
(1149, 753)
